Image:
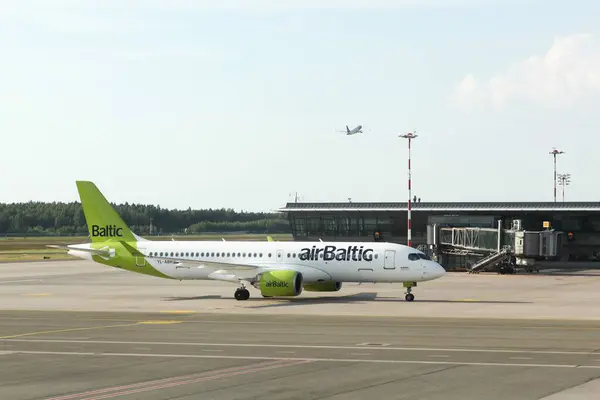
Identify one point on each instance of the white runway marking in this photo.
(353, 360)
(291, 346)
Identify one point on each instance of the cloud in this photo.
(567, 75)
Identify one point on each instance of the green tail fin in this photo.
(104, 224)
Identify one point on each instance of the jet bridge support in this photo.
(490, 261)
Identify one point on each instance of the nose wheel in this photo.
(409, 296)
(241, 294)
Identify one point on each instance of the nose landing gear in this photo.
(409, 285)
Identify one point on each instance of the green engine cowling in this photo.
(330, 286)
(280, 283)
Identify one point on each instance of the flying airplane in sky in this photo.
(354, 131)
(274, 268)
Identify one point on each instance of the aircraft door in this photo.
(140, 261)
(389, 260)
(279, 255)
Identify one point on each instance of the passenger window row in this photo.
(203, 254)
(227, 255)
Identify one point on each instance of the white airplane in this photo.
(274, 268)
(354, 131)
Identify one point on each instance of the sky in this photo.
(239, 104)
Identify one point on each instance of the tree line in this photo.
(68, 219)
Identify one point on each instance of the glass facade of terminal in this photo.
(351, 224)
(364, 224)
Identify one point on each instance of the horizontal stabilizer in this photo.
(96, 252)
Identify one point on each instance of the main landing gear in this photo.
(242, 293)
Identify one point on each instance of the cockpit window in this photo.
(413, 257)
(424, 256)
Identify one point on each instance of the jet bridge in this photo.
(484, 248)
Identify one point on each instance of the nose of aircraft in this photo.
(437, 270)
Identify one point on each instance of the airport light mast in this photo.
(410, 136)
(554, 153)
(564, 180)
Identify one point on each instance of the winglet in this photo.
(269, 238)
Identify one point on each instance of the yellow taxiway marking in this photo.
(159, 322)
(67, 330)
(37, 294)
(179, 312)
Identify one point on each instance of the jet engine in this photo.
(330, 286)
(279, 283)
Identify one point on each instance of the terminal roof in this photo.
(571, 206)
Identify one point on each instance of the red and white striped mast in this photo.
(410, 136)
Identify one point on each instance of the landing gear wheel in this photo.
(242, 294)
(409, 295)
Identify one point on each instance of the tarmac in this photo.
(77, 330)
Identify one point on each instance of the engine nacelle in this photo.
(280, 283)
(330, 286)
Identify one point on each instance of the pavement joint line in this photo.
(21, 280)
(514, 318)
(307, 346)
(496, 327)
(310, 359)
(148, 384)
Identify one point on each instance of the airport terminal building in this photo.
(580, 221)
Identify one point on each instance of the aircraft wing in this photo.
(230, 272)
(216, 265)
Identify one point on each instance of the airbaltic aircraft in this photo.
(274, 268)
(353, 131)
